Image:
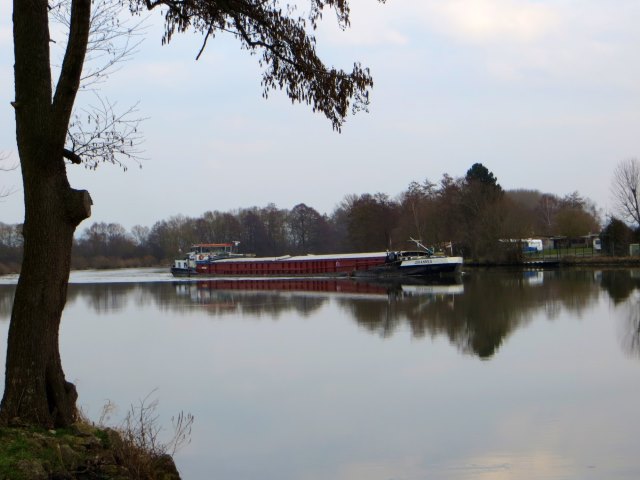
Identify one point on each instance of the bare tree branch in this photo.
(100, 135)
(204, 42)
(6, 191)
(112, 40)
(625, 189)
(71, 156)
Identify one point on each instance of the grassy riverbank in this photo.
(97, 263)
(566, 261)
(81, 452)
(600, 260)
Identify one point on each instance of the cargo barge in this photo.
(222, 260)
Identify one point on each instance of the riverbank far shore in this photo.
(601, 260)
(564, 261)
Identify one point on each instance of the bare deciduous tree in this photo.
(625, 189)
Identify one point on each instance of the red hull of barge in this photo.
(295, 285)
(286, 267)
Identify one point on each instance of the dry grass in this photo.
(141, 450)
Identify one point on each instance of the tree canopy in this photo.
(441, 215)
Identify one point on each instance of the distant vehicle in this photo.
(532, 245)
(597, 245)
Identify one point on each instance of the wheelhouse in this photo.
(214, 248)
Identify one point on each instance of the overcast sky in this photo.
(546, 94)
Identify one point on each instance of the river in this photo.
(503, 374)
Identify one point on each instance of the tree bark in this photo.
(36, 391)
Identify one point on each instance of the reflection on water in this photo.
(619, 284)
(476, 315)
(623, 286)
(501, 375)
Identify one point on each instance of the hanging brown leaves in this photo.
(285, 43)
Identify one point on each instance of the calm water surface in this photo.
(505, 375)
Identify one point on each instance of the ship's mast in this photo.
(420, 245)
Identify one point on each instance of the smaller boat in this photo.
(222, 259)
(202, 253)
(414, 263)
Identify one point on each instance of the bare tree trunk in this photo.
(36, 392)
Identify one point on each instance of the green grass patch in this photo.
(23, 450)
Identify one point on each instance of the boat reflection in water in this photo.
(380, 307)
(236, 292)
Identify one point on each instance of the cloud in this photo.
(475, 21)
(533, 40)
(482, 21)
(371, 25)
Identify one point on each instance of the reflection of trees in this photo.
(184, 298)
(6, 301)
(493, 305)
(631, 328)
(573, 290)
(623, 286)
(248, 298)
(253, 303)
(102, 297)
(191, 297)
(478, 318)
(619, 284)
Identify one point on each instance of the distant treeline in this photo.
(467, 214)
